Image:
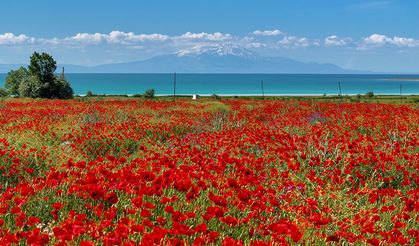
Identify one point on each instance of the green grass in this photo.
(390, 99)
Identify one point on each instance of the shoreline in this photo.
(252, 95)
(246, 95)
(390, 99)
(408, 79)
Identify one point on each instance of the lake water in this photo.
(242, 84)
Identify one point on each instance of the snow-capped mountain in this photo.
(212, 58)
(217, 58)
(216, 50)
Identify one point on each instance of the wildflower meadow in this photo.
(103, 171)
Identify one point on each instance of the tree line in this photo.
(38, 80)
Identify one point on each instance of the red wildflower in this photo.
(111, 197)
(229, 241)
(229, 220)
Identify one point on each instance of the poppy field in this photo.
(209, 172)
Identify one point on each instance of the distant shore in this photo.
(405, 79)
(391, 99)
(252, 95)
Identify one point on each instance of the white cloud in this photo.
(123, 46)
(381, 40)
(10, 38)
(376, 39)
(405, 42)
(188, 39)
(86, 38)
(336, 41)
(217, 36)
(293, 42)
(124, 37)
(255, 45)
(114, 37)
(267, 32)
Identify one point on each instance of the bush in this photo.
(3, 92)
(369, 94)
(149, 93)
(215, 96)
(89, 94)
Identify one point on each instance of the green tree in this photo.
(62, 88)
(30, 86)
(42, 66)
(89, 94)
(149, 93)
(39, 79)
(13, 80)
(369, 94)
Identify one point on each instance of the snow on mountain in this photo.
(217, 50)
(211, 58)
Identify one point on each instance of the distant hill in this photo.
(220, 58)
(5, 68)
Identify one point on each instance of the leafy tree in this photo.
(149, 93)
(39, 79)
(89, 94)
(30, 87)
(62, 88)
(42, 66)
(13, 79)
(369, 94)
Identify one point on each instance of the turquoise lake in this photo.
(242, 84)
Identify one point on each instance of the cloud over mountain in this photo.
(118, 46)
(275, 32)
(336, 41)
(214, 58)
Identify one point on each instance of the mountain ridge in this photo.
(207, 58)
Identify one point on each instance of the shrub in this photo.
(149, 93)
(89, 94)
(369, 94)
(215, 96)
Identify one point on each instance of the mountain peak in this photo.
(217, 50)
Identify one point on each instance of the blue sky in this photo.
(378, 35)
